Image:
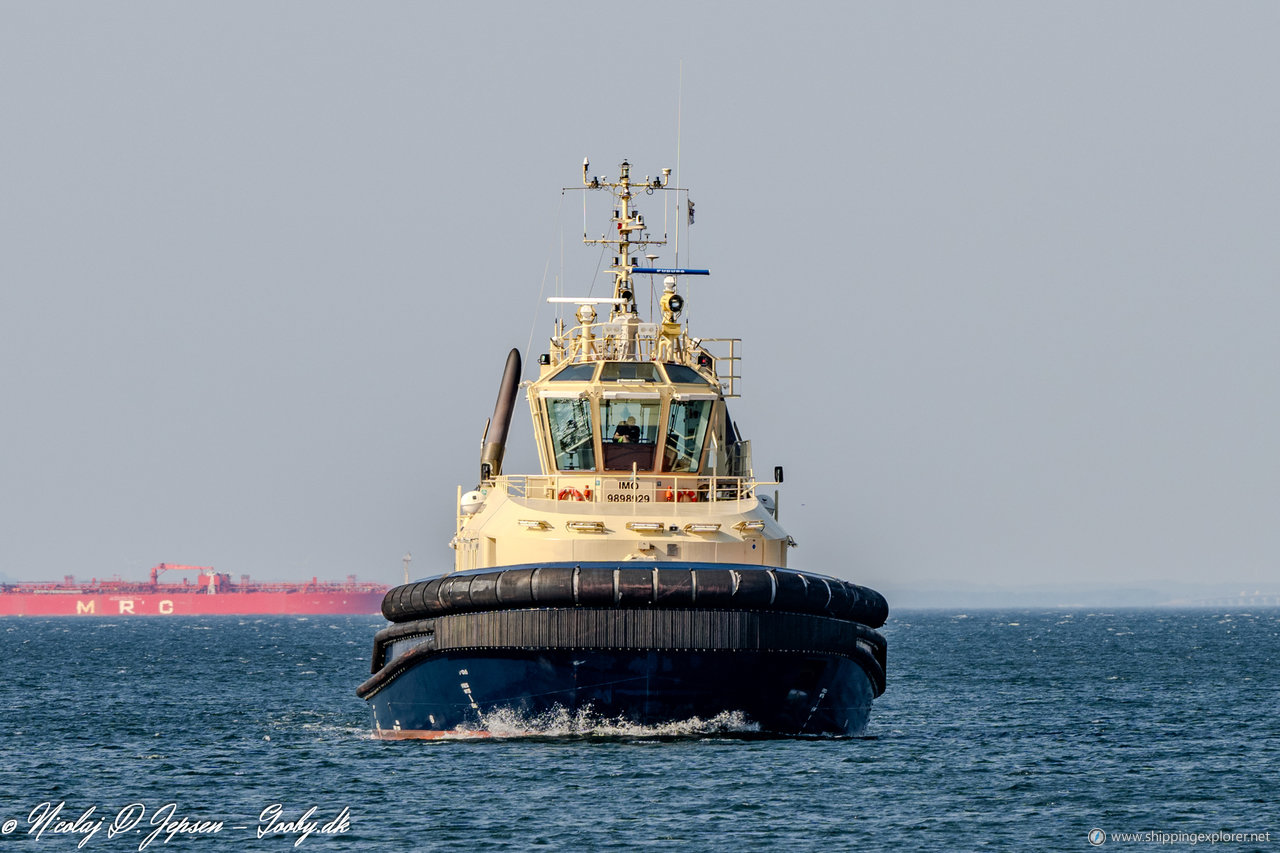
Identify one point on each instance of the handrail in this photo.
(674, 488)
(607, 341)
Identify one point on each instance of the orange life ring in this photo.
(565, 494)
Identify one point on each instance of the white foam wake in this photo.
(559, 722)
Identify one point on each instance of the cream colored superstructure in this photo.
(639, 458)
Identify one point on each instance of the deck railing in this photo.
(621, 489)
(642, 342)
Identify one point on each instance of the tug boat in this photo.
(642, 578)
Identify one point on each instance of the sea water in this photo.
(1005, 730)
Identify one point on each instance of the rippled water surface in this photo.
(1006, 730)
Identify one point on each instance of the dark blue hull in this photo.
(543, 690)
(559, 648)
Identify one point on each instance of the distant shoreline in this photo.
(990, 597)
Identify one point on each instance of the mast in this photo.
(631, 233)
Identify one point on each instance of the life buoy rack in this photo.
(681, 496)
(571, 493)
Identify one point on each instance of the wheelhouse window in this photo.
(686, 433)
(571, 437)
(683, 375)
(575, 373)
(630, 434)
(629, 371)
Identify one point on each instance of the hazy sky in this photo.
(1008, 274)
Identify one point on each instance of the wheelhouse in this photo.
(626, 417)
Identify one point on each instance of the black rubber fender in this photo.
(628, 585)
(714, 587)
(755, 590)
(595, 587)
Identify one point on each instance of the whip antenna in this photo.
(679, 112)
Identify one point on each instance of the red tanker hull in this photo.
(72, 603)
(212, 594)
